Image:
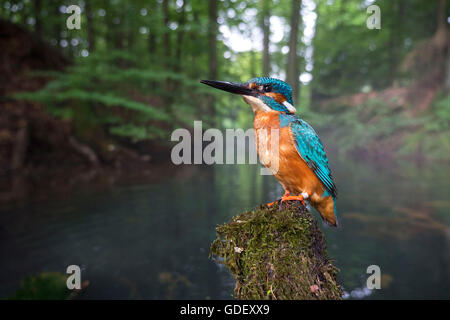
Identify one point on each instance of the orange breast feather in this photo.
(293, 173)
(288, 166)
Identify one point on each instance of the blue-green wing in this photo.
(310, 147)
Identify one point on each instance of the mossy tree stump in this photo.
(277, 253)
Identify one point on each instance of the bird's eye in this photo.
(267, 88)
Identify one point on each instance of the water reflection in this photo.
(151, 241)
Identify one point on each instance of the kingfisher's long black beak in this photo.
(235, 88)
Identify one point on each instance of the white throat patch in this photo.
(256, 104)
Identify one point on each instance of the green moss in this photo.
(276, 254)
(45, 286)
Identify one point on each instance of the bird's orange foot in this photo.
(286, 194)
(272, 203)
(301, 197)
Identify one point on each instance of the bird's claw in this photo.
(287, 197)
(272, 203)
(294, 198)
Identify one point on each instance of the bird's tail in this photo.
(328, 211)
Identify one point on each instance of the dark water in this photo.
(152, 241)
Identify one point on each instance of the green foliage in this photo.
(374, 127)
(432, 138)
(137, 65)
(441, 119)
(276, 254)
(44, 286)
(98, 91)
(348, 56)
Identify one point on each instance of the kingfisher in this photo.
(303, 170)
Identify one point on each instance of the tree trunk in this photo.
(152, 45)
(395, 32)
(442, 28)
(167, 59)
(180, 37)
(37, 17)
(265, 27)
(177, 67)
(277, 253)
(212, 39)
(166, 33)
(212, 52)
(56, 26)
(114, 34)
(90, 27)
(292, 72)
(441, 15)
